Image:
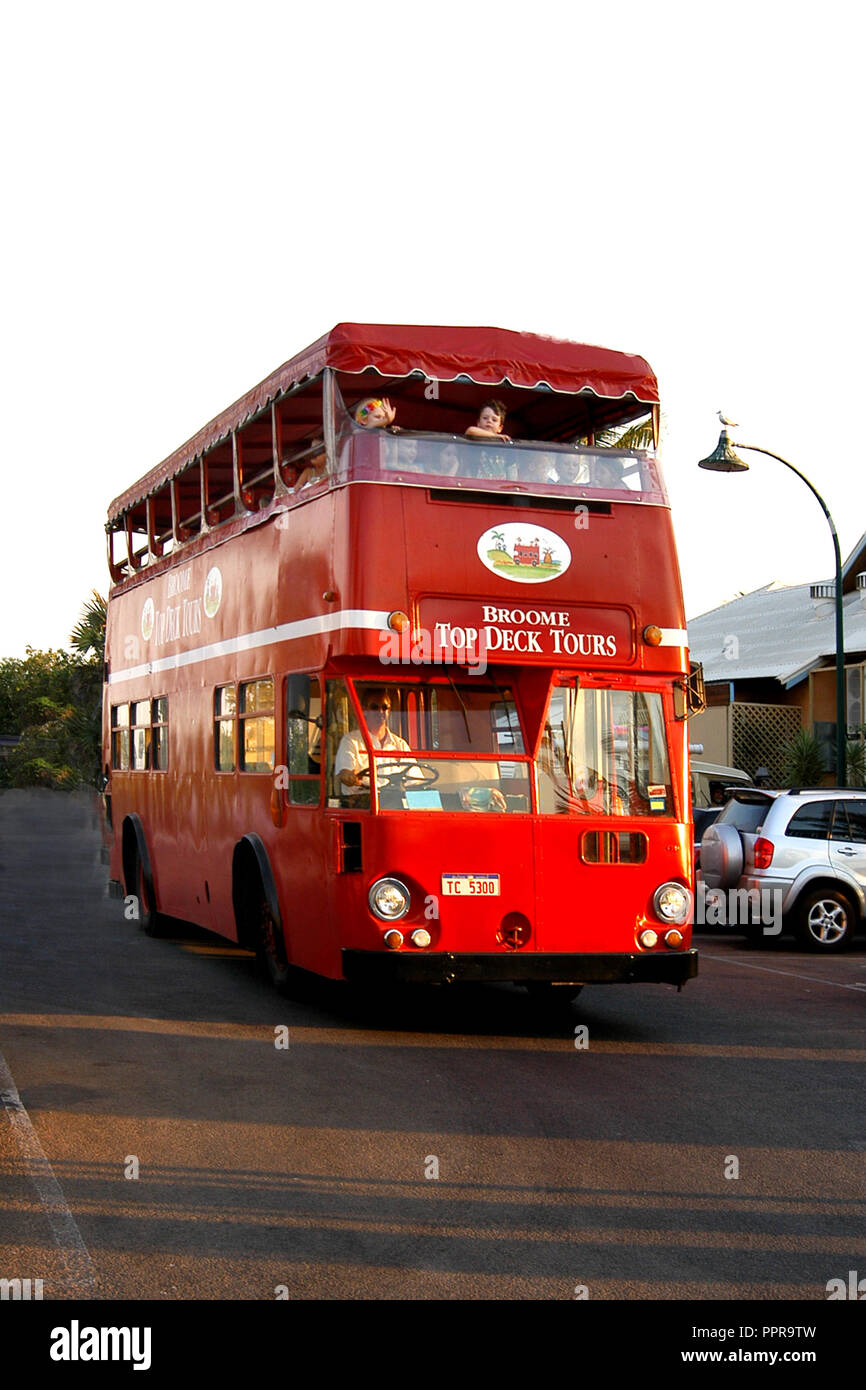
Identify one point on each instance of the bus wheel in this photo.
(148, 917)
(271, 947)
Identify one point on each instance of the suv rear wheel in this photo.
(825, 920)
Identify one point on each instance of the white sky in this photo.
(194, 192)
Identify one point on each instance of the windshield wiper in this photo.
(462, 706)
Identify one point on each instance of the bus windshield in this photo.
(604, 752)
(466, 741)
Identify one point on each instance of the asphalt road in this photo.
(447, 1145)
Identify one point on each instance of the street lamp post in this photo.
(723, 459)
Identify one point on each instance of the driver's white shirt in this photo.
(352, 756)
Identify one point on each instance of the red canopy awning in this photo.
(488, 356)
(491, 357)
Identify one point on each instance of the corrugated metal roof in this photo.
(777, 631)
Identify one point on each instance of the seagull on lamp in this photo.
(729, 424)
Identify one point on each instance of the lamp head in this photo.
(723, 459)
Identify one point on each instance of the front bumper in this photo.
(447, 967)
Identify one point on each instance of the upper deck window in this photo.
(534, 468)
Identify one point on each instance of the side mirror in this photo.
(299, 714)
(690, 696)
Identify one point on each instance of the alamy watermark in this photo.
(445, 645)
(739, 907)
(21, 1290)
(852, 1288)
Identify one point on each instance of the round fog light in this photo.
(673, 938)
(648, 938)
(393, 939)
(673, 903)
(389, 899)
(420, 937)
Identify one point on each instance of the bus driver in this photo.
(351, 768)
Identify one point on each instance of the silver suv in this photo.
(801, 851)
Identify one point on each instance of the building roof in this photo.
(780, 631)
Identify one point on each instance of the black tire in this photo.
(149, 919)
(826, 919)
(271, 946)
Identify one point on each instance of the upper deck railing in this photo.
(521, 470)
(520, 467)
(293, 437)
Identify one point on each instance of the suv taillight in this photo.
(763, 853)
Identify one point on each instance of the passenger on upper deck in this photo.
(490, 423)
(491, 419)
(405, 458)
(538, 468)
(314, 470)
(571, 469)
(449, 460)
(375, 413)
(607, 473)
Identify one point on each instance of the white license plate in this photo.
(470, 885)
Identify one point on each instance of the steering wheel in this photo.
(408, 779)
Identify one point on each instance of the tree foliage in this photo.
(804, 761)
(855, 758)
(52, 701)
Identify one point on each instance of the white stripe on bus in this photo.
(365, 618)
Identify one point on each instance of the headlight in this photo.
(389, 899)
(672, 903)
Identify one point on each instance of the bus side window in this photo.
(304, 739)
(225, 717)
(159, 746)
(337, 721)
(140, 735)
(120, 737)
(256, 725)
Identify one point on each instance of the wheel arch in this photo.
(251, 867)
(134, 846)
(822, 882)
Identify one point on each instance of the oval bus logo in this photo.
(147, 619)
(524, 554)
(213, 592)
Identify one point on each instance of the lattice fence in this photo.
(759, 734)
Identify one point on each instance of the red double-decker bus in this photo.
(387, 703)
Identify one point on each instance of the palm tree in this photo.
(88, 635)
(638, 435)
(804, 761)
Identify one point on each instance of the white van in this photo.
(710, 779)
